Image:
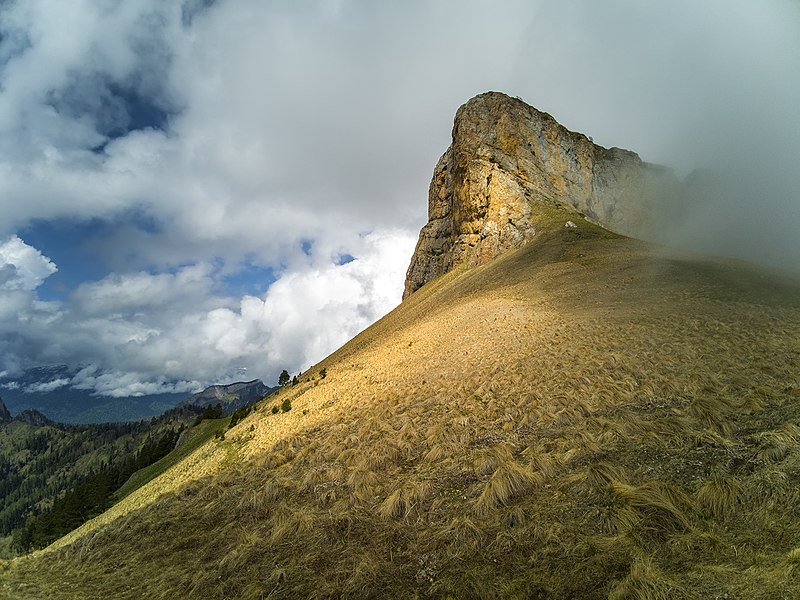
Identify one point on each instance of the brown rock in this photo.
(505, 156)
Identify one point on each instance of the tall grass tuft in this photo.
(510, 479)
(646, 582)
(777, 444)
(719, 496)
(404, 499)
(651, 508)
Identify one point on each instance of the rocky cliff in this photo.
(5, 416)
(505, 157)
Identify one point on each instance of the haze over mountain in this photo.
(57, 393)
(580, 415)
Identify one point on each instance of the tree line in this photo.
(91, 497)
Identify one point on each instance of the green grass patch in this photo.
(195, 437)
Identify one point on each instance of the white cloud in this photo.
(23, 267)
(47, 386)
(150, 333)
(132, 293)
(310, 313)
(118, 384)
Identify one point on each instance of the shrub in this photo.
(323, 373)
(275, 410)
(286, 405)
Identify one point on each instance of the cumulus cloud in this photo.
(22, 267)
(48, 386)
(136, 293)
(328, 293)
(152, 333)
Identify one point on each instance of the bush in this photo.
(323, 373)
(286, 405)
(275, 409)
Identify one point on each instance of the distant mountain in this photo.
(231, 396)
(48, 390)
(31, 416)
(50, 466)
(43, 462)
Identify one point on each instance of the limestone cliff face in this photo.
(506, 156)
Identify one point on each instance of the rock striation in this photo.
(505, 157)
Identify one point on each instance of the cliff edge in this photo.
(506, 156)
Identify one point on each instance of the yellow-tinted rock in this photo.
(505, 156)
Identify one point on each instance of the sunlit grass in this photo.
(582, 418)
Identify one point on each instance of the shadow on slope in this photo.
(585, 417)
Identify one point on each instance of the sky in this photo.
(197, 192)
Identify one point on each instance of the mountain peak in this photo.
(231, 396)
(31, 416)
(506, 159)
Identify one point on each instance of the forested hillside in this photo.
(54, 476)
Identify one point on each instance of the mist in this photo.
(708, 89)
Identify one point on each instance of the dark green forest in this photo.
(53, 476)
(91, 497)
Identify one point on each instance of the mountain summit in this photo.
(230, 396)
(507, 156)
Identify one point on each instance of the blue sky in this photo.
(198, 192)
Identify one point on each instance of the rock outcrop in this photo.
(506, 156)
(5, 416)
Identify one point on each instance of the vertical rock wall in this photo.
(505, 156)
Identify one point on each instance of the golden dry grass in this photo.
(582, 418)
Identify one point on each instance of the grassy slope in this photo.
(583, 418)
(196, 437)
